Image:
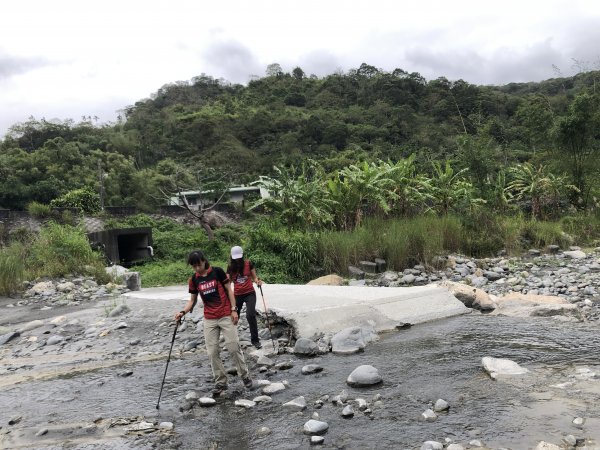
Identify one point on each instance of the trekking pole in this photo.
(267, 316)
(168, 359)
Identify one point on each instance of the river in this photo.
(440, 359)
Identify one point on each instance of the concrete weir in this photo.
(312, 310)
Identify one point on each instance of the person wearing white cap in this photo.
(212, 285)
(242, 273)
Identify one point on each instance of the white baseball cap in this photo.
(236, 252)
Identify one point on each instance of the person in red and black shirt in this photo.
(220, 316)
(242, 274)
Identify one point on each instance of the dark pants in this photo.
(250, 300)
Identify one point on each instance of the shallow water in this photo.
(419, 365)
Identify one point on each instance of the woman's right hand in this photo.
(179, 315)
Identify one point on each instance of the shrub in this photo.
(164, 273)
(85, 199)
(60, 250)
(283, 255)
(39, 210)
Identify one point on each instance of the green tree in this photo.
(297, 197)
(537, 188)
(360, 187)
(85, 199)
(450, 191)
(578, 138)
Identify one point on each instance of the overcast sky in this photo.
(67, 58)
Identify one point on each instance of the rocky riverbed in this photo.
(84, 371)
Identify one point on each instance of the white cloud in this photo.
(68, 58)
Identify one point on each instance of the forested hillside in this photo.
(209, 128)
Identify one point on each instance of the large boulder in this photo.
(353, 339)
(516, 304)
(470, 296)
(328, 280)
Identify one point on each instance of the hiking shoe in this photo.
(248, 382)
(257, 344)
(219, 389)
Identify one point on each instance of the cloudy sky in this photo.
(68, 58)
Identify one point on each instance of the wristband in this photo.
(183, 312)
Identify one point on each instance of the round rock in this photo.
(365, 375)
(315, 427)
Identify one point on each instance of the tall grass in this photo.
(39, 210)
(585, 228)
(60, 250)
(406, 242)
(401, 242)
(12, 268)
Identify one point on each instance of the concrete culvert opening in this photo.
(124, 246)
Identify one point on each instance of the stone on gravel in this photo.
(5, 338)
(575, 254)
(273, 388)
(265, 361)
(546, 446)
(315, 427)
(311, 368)
(207, 401)
(353, 339)
(432, 445)
(317, 440)
(441, 405)
(428, 415)
(305, 346)
(245, 403)
(165, 425)
(15, 420)
(53, 340)
(297, 404)
(365, 375)
(500, 367)
(348, 411)
(191, 395)
(263, 431)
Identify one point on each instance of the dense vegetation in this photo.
(339, 154)
(283, 118)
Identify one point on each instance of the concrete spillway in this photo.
(312, 310)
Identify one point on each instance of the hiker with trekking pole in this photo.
(220, 316)
(242, 273)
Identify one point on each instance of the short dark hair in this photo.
(197, 257)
